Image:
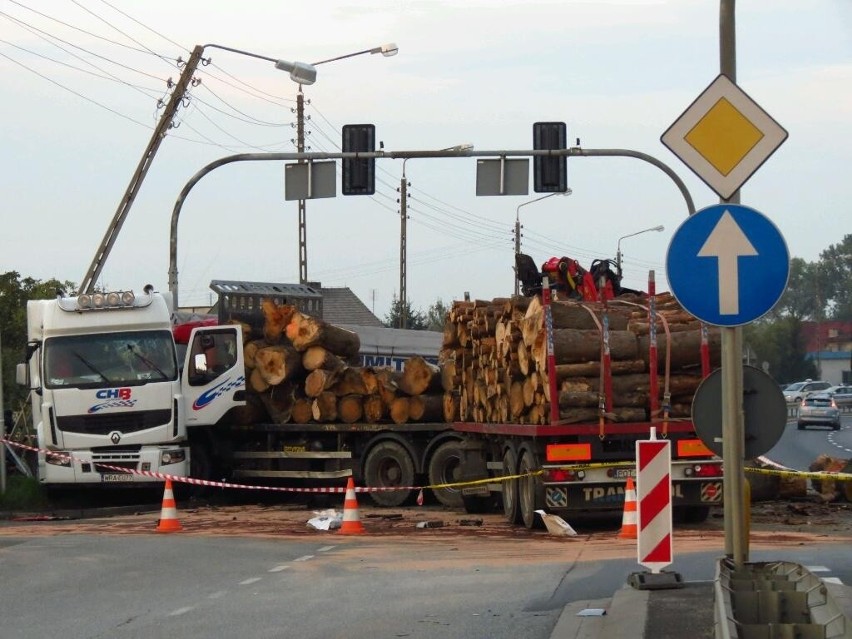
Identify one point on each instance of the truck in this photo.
(175, 398)
(106, 395)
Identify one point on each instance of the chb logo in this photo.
(113, 393)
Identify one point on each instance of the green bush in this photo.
(23, 493)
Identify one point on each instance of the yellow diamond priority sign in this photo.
(724, 136)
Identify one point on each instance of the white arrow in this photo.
(728, 243)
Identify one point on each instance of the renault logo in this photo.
(115, 437)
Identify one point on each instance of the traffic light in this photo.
(550, 174)
(359, 175)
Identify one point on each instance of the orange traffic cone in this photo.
(168, 515)
(629, 522)
(351, 524)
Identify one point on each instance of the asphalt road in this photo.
(329, 587)
(798, 448)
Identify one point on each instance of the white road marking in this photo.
(832, 580)
(326, 548)
(278, 568)
(217, 595)
(180, 611)
(250, 580)
(304, 558)
(818, 568)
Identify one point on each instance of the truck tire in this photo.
(445, 468)
(511, 511)
(527, 490)
(388, 464)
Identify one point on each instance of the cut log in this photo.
(320, 357)
(305, 331)
(452, 406)
(350, 408)
(572, 346)
(278, 401)
(369, 379)
(250, 350)
(324, 407)
(685, 349)
(419, 376)
(374, 409)
(388, 383)
(349, 382)
(275, 319)
(256, 382)
(278, 363)
(302, 411)
(399, 410)
(426, 408)
(318, 381)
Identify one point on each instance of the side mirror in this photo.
(22, 374)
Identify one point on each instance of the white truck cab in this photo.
(106, 388)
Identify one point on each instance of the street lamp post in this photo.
(403, 235)
(387, 50)
(518, 231)
(618, 246)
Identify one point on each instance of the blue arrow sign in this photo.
(727, 264)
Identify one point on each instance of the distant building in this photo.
(829, 345)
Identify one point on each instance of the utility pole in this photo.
(87, 285)
(303, 221)
(517, 252)
(403, 218)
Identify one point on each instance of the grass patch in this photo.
(23, 493)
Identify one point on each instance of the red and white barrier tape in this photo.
(208, 483)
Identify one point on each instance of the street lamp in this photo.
(518, 231)
(618, 246)
(403, 233)
(387, 50)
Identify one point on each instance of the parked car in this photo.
(842, 395)
(819, 409)
(795, 393)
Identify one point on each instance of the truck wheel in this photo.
(511, 512)
(388, 464)
(527, 490)
(445, 468)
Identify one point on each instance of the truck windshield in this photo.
(109, 359)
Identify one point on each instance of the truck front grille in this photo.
(122, 422)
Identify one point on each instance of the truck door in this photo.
(213, 378)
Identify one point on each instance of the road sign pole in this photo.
(733, 429)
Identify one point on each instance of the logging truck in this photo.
(493, 407)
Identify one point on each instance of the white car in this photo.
(842, 395)
(795, 393)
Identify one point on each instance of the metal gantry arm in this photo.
(401, 155)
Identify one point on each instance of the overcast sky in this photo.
(82, 78)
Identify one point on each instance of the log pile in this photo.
(494, 366)
(298, 370)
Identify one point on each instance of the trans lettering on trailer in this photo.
(209, 396)
(116, 398)
(615, 494)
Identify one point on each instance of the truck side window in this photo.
(220, 351)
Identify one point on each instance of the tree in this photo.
(436, 316)
(779, 343)
(14, 294)
(836, 269)
(414, 320)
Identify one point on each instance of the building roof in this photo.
(342, 306)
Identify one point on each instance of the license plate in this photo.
(116, 477)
